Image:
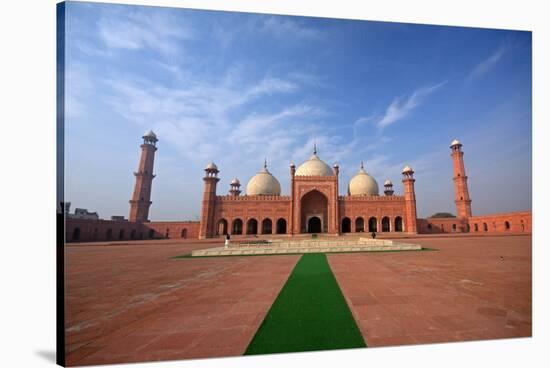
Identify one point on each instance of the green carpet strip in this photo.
(309, 314)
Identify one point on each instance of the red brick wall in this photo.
(77, 230)
(247, 208)
(102, 230)
(519, 222)
(441, 225)
(175, 229)
(366, 207)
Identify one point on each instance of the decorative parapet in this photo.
(252, 198)
(315, 178)
(184, 222)
(371, 198)
(502, 214)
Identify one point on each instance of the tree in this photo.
(442, 215)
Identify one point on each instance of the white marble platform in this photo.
(305, 246)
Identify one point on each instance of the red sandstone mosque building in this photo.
(313, 205)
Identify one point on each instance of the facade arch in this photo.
(373, 226)
(346, 225)
(386, 224)
(252, 227)
(76, 234)
(398, 224)
(359, 225)
(267, 226)
(237, 228)
(222, 227)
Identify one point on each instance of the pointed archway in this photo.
(314, 225)
(314, 204)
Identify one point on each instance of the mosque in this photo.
(313, 205)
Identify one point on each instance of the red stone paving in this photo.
(463, 291)
(130, 303)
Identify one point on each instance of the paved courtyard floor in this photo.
(135, 302)
(463, 291)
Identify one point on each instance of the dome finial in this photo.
(362, 168)
(265, 163)
(314, 147)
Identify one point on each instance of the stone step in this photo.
(303, 248)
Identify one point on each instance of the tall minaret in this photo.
(207, 228)
(462, 197)
(410, 200)
(141, 199)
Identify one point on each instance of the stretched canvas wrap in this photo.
(236, 183)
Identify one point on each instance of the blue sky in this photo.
(234, 88)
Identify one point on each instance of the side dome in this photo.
(263, 183)
(314, 167)
(362, 184)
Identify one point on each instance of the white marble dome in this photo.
(263, 183)
(362, 184)
(388, 182)
(314, 167)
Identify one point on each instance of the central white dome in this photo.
(263, 183)
(314, 167)
(362, 184)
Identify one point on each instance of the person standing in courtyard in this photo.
(373, 234)
(227, 240)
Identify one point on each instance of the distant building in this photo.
(118, 218)
(80, 213)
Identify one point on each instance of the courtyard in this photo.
(135, 301)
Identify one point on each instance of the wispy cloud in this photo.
(489, 63)
(79, 87)
(195, 118)
(281, 28)
(400, 108)
(256, 127)
(157, 30)
(289, 28)
(222, 116)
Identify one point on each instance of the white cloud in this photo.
(78, 86)
(286, 27)
(255, 127)
(198, 118)
(282, 28)
(486, 65)
(156, 30)
(399, 109)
